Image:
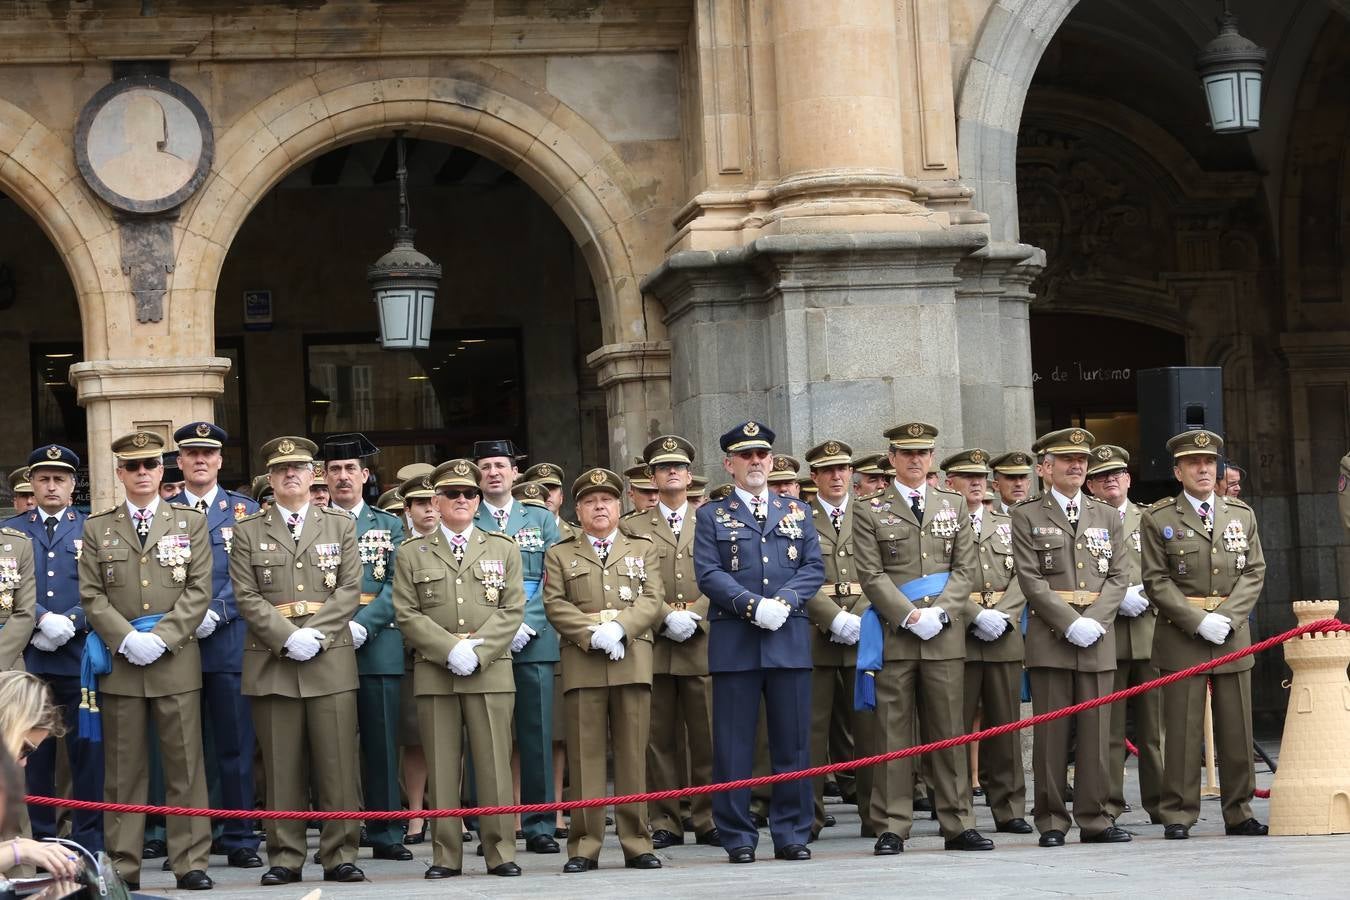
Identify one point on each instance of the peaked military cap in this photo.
(289, 450)
(411, 470)
(138, 445)
(973, 461)
(597, 479)
(530, 492)
(1014, 462)
(501, 447)
(698, 486)
(206, 435)
(545, 473)
(868, 463)
(54, 456)
(352, 445)
(173, 473)
(669, 448)
(912, 436)
(1195, 443)
(1107, 458)
(807, 486)
(1067, 440)
(417, 487)
(721, 492)
(747, 436)
(18, 481)
(640, 477)
(391, 501)
(456, 473)
(829, 453)
(261, 489)
(785, 469)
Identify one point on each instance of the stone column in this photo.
(121, 395)
(636, 380)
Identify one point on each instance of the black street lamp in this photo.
(404, 280)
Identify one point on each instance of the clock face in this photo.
(143, 144)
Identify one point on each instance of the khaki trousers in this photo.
(996, 689)
(598, 720)
(831, 700)
(1183, 722)
(1053, 689)
(1145, 715)
(683, 719)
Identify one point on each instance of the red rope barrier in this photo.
(1323, 626)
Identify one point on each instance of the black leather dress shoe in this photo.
(344, 872)
(741, 855)
(970, 839)
(167, 865)
(889, 844)
(643, 861)
(758, 821)
(923, 804)
(505, 870)
(829, 821)
(1014, 826)
(154, 849)
(1249, 828)
(244, 858)
(195, 880)
(280, 875)
(1113, 835)
(434, 872)
(541, 843)
(560, 833)
(687, 824)
(396, 852)
(1053, 838)
(661, 839)
(579, 864)
(792, 852)
(710, 838)
(1176, 832)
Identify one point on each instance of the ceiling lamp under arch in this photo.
(404, 280)
(1231, 68)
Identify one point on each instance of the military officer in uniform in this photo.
(868, 476)
(57, 640)
(460, 599)
(836, 610)
(391, 501)
(1070, 556)
(783, 478)
(603, 593)
(1108, 479)
(229, 764)
(549, 477)
(916, 561)
(1012, 479)
(534, 649)
(758, 561)
(681, 691)
(145, 585)
(1203, 568)
(993, 685)
(18, 597)
(22, 489)
(375, 635)
(641, 491)
(297, 583)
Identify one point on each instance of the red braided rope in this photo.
(1323, 626)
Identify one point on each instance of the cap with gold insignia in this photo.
(412, 470)
(912, 436)
(747, 436)
(18, 481)
(1014, 462)
(530, 492)
(261, 489)
(138, 445)
(1067, 441)
(807, 487)
(973, 461)
(597, 479)
(698, 486)
(721, 492)
(868, 463)
(640, 477)
(545, 473)
(418, 487)
(829, 453)
(1107, 458)
(785, 469)
(456, 473)
(53, 456)
(669, 448)
(282, 450)
(206, 435)
(1195, 443)
(390, 502)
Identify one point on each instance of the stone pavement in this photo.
(1209, 864)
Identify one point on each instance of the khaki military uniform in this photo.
(681, 686)
(1067, 572)
(893, 548)
(439, 602)
(122, 580)
(994, 668)
(1188, 572)
(18, 597)
(302, 710)
(607, 703)
(835, 667)
(1134, 665)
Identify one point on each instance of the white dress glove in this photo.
(928, 625)
(1135, 602)
(359, 633)
(1214, 628)
(616, 652)
(304, 644)
(846, 628)
(770, 614)
(990, 624)
(523, 635)
(210, 622)
(142, 649)
(42, 642)
(1084, 632)
(604, 637)
(57, 628)
(681, 624)
(462, 660)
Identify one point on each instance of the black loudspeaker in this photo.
(1173, 400)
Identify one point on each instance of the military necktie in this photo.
(1206, 517)
(500, 516)
(916, 504)
(602, 551)
(757, 507)
(674, 520)
(457, 546)
(294, 521)
(201, 506)
(142, 517)
(50, 522)
(975, 521)
(1071, 513)
(837, 520)
(1122, 515)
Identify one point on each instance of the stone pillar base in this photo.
(636, 380)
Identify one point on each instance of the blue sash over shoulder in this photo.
(872, 639)
(97, 661)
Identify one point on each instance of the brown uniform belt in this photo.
(299, 608)
(678, 604)
(604, 615)
(988, 599)
(367, 599)
(1208, 604)
(841, 590)
(1078, 598)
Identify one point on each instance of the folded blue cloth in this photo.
(532, 586)
(872, 640)
(927, 586)
(96, 661)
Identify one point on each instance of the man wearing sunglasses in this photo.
(757, 557)
(145, 585)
